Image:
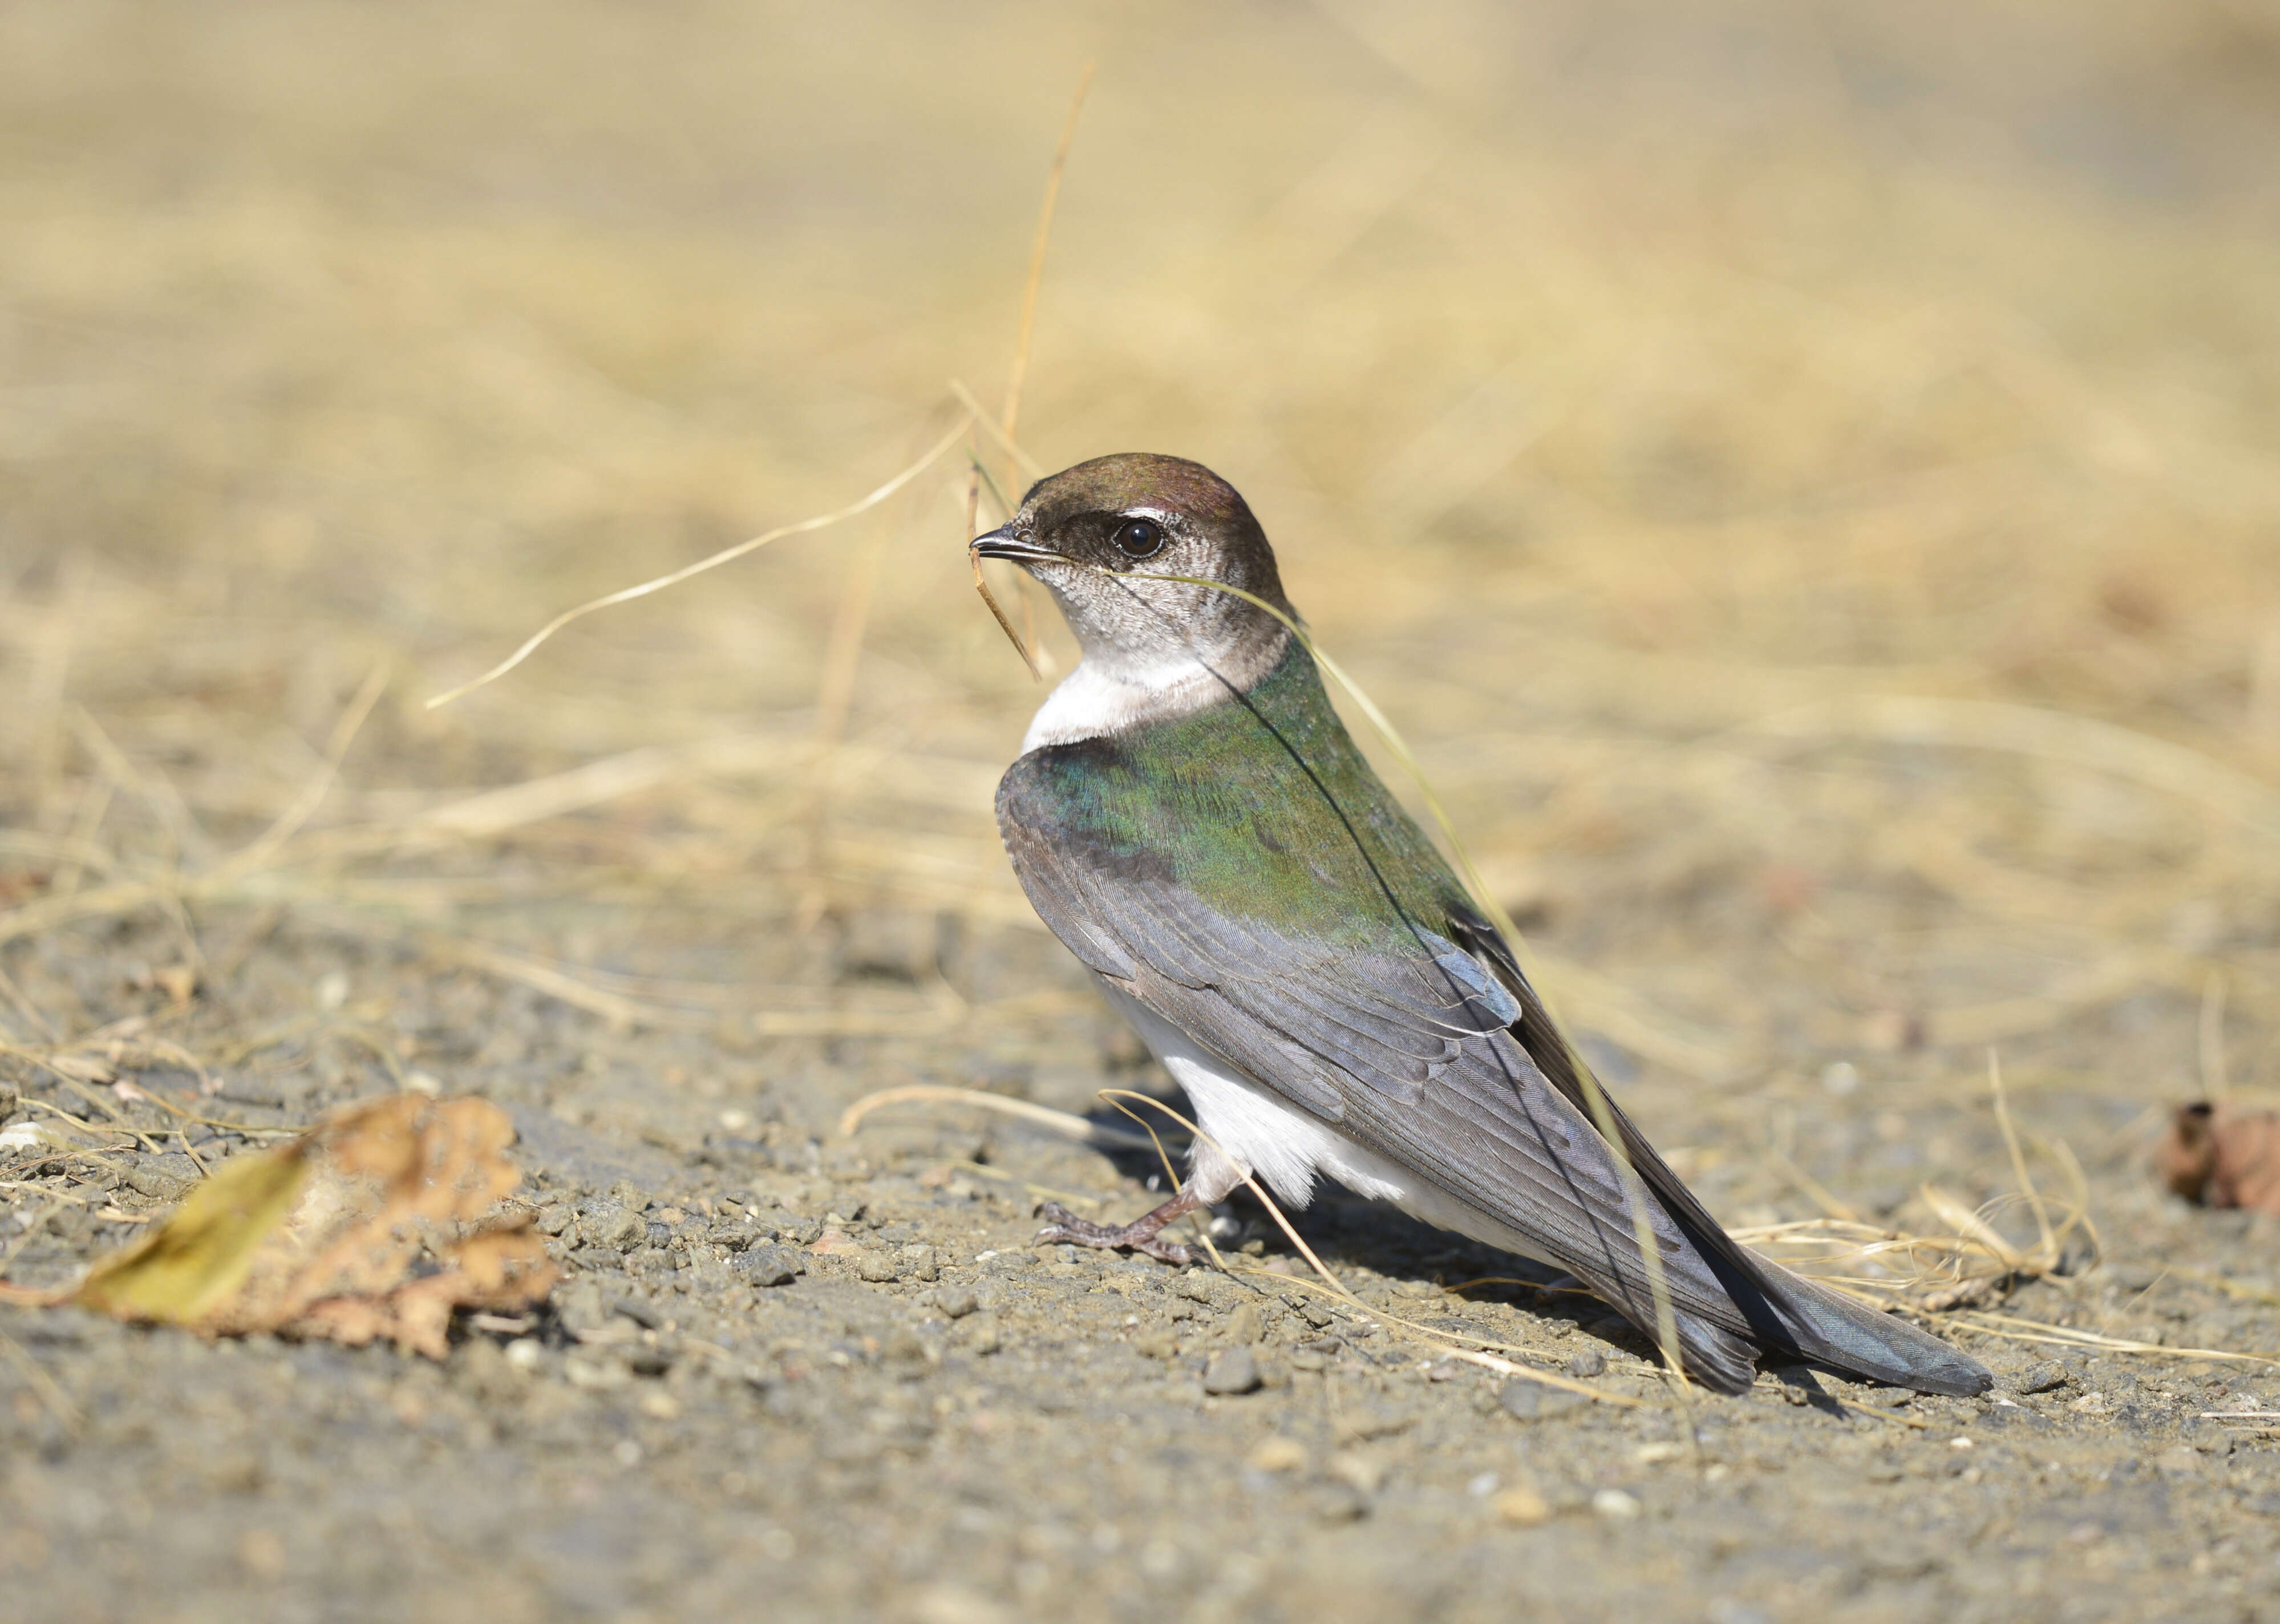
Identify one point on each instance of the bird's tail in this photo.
(1785, 1312)
(1775, 1310)
(1788, 1313)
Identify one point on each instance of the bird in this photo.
(1190, 816)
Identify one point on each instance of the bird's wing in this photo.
(1401, 1039)
(1784, 1309)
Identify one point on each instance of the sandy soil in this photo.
(923, 1416)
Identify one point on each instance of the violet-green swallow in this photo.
(1190, 818)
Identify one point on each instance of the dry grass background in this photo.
(1802, 477)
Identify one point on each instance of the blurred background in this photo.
(1801, 475)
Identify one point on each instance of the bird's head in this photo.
(1100, 535)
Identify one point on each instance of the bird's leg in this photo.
(1141, 1234)
(1210, 1175)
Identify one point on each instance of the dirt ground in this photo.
(1800, 478)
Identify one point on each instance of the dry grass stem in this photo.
(727, 555)
(1034, 282)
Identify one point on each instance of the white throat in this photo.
(1101, 697)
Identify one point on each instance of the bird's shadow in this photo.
(1346, 1229)
(1802, 1379)
(1350, 1230)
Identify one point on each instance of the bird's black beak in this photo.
(1003, 543)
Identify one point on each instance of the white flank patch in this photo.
(1260, 1135)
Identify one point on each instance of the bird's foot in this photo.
(1065, 1227)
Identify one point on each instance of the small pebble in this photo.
(1589, 1362)
(771, 1265)
(1615, 1506)
(1363, 1471)
(1278, 1454)
(2043, 1377)
(1232, 1371)
(163, 1178)
(1521, 1506)
(982, 1334)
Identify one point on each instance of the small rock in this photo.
(1522, 1400)
(2209, 1438)
(1336, 1502)
(2044, 1377)
(2133, 1276)
(917, 1262)
(982, 1334)
(1202, 1286)
(1363, 1471)
(1158, 1344)
(1231, 1371)
(163, 1178)
(613, 1227)
(1278, 1454)
(595, 1374)
(771, 1265)
(906, 1350)
(1316, 1315)
(1243, 1327)
(1521, 1506)
(1589, 1362)
(1374, 1421)
(956, 1302)
(1615, 1506)
(878, 1267)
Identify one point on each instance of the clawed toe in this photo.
(1065, 1227)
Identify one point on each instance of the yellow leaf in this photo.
(201, 1255)
(382, 1222)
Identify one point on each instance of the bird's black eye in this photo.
(1139, 538)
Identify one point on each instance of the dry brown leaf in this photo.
(2221, 1157)
(381, 1222)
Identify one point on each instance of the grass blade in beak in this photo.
(982, 587)
(1003, 625)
